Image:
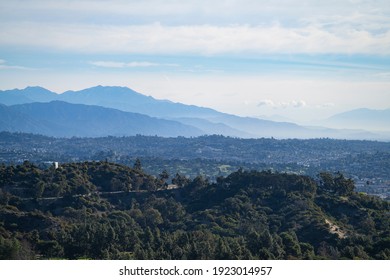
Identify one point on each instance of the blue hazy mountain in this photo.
(211, 128)
(61, 119)
(200, 119)
(16, 121)
(361, 118)
(125, 99)
(27, 95)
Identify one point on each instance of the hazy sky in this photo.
(300, 59)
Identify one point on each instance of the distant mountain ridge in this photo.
(27, 95)
(121, 98)
(61, 119)
(361, 118)
(194, 120)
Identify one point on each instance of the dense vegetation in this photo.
(102, 210)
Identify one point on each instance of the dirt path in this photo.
(336, 229)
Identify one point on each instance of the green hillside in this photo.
(101, 210)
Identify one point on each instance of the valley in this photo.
(366, 162)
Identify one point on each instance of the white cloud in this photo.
(5, 66)
(108, 64)
(266, 102)
(326, 105)
(114, 64)
(284, 105)
(382, 75)
(133, 64)
(298, 104)
(198, 27)
(233, 11)
(193, 39)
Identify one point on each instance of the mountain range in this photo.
(361, 118)
(120, 111)
(62, 119)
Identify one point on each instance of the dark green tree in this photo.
(137, 165)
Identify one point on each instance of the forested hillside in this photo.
(101, 210)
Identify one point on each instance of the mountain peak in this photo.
(105, 90)
(36, 89)
(26, 95)
(362, 118)
(100, 87)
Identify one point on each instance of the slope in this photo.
(101, 210)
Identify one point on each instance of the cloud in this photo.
(266, 102)
(115, 64)
(133, 64)
(5, 66)
(193, 39)
(174, 26)
(326, 105)
(298, 104)
(382, 75)
(191, 11)
(277, 105)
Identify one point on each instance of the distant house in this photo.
(48, 164)
(172, 187)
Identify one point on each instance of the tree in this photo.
(137, 165)
(198, 183)
(180, 180)
(163, 177)
(222, 250)
(39, 188)
(153, 217)
(291, 244)
(336, 184)
(344, 186)
(4, 197)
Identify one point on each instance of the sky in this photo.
(296, 60)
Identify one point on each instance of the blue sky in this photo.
(303, 60)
